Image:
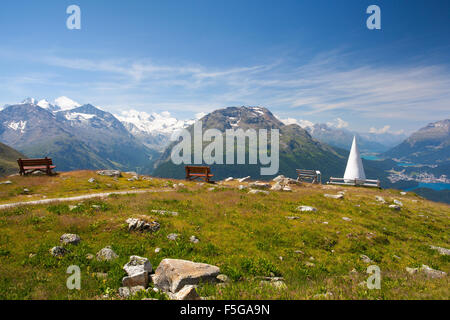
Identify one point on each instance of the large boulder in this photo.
(70, 238)
(137, 269)
(186, 293)
(135, 224)
(173, 274)
(106, 254)
(137, 265)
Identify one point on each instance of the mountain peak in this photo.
(66, 103)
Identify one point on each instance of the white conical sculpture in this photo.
(354, 170)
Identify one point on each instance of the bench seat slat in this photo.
(38, 167)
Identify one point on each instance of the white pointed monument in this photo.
(354, 172)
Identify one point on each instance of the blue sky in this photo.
(309, 60)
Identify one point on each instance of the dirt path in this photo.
(77, 198)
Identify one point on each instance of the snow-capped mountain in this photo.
(155, 129)
(82, 137)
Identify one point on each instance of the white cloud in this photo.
(301, 123)
(332, 83)
(385, 129)
(338, 123)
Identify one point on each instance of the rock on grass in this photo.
(173, 274)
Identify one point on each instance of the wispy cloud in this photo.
(329, 84)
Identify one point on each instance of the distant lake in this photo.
(434, 186)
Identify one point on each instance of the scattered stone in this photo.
(241, 187)
(133, 178)
(71, 208)
(309, 264)
(346, 219)
(223, 278)
(69, 238)
(380, 199)
(32, 255)
(279, 285)
(432, 273)
(110, 173)
(403, 193)
(293, 218)
(334, 196)
(299, 252)
(254, 191)
(173, 274)
(211, 189)
(58, 251)
(188, 292)
(306, 209)
(124, 292)
(398, 202)
(395, 207)
(365, 258)
(229, 179)
(396, 257)
(325, 222)
(91, 180)
(164, 212)
(157, 250)
(172, 236)
(244, 179)
(442, 251)
(106, 254)
(259, 185)
(287, 189)
(194, 239)
(135, 224)
(370, 235)
(96, 206)
(26, 190)
(6, 182)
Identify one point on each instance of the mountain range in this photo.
(78, 137)
(297, 148)
(429, 145)
(85, 137)
(342, 138)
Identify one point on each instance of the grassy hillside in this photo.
(247, 235)
(8, 160)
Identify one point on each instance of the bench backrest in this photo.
(197, 169)
(306, 172)
(34, 162)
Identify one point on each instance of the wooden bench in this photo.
(313, 175)
(27, 166)
(198, 172)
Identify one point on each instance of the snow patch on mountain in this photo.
(66, 103)
(154, 123)
(72, 116)
(17, 126)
